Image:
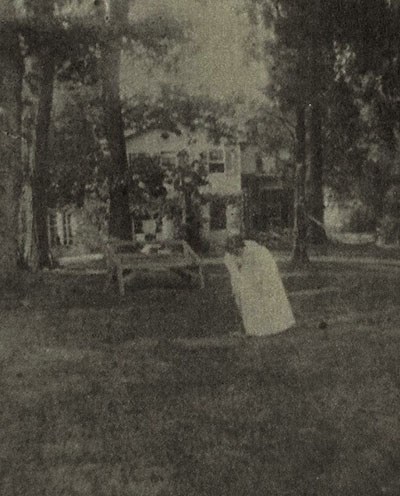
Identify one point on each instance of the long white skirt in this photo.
(259, 292)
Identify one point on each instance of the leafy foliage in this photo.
(173, 109)
(147, 180)
(78, 164)
(153, 182)
(351, 69)
(171, 190)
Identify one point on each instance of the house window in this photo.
(259, 164)
(138, 226)
(168, 159)
(216, 160)
(67, 228)
(217, 215)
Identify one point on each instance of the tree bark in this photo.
(120, 224)
(315, 194)
(41, 166)
(300, 229)
(10, 151)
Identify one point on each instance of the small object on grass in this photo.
(25, 303)
(322, 325)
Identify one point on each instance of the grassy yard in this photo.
(156, 394)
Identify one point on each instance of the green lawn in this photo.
(153, 395)
(340, 249)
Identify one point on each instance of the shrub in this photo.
(362, 220)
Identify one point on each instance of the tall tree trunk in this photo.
(381, 174)
(41, 165)
(28, 247)
(300, 229)
(10, 151)
(315, 193)
(120, 224)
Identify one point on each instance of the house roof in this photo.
(132, 133)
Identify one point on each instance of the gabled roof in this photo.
(132, 133)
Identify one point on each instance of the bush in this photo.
(362, 220)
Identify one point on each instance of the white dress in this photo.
(259, 292)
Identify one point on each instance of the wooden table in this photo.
(126, 258)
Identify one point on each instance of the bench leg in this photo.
(201, 278)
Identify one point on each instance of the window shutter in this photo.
(231, 158)
(229, 163)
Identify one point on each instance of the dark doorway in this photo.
(275, 209)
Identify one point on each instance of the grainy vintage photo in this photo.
(199, 247)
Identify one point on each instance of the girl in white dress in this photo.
(257, 288)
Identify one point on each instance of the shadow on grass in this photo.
(98, 398)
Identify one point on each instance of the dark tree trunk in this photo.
(381, 177)
(300, 229)
(192, 222)
(11, 64)
(120, 225)
(46, 67)
(315, 193)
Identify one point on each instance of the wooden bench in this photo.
(126, 258)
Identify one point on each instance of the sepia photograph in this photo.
(199, 247)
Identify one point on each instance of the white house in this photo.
(222, 213)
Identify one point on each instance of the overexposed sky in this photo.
(213, 62)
